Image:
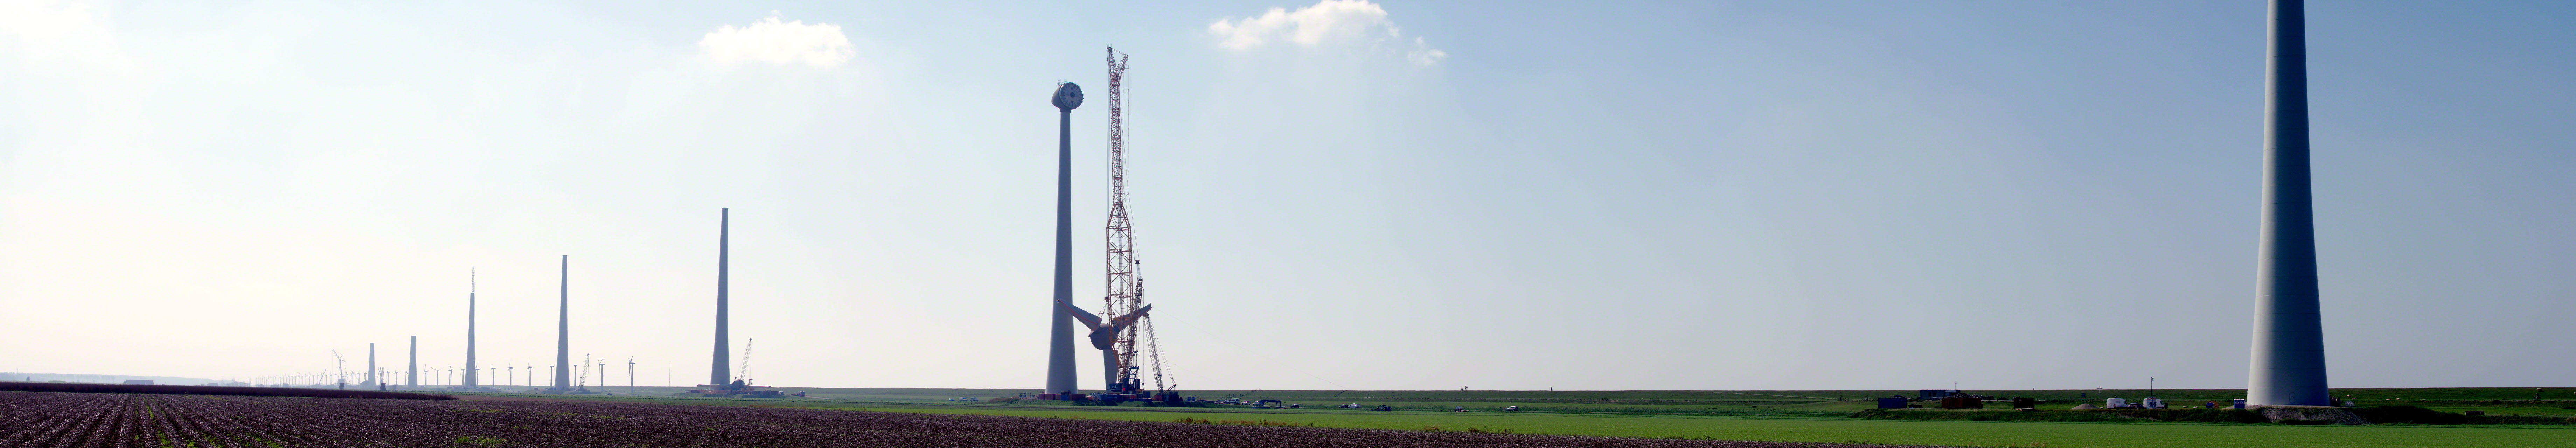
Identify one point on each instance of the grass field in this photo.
(2501, 401)
(1781, 416)
(1875, 431)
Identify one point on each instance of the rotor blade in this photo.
(1088, 320)
(1140, 312)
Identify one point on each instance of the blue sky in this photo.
(1335, 195)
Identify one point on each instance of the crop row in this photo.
(29, 419)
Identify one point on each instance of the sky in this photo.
(1345, 194)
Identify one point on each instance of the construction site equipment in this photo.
(746, 361)
(1124, 300)
(344, 368)
(737, 389)
(1962, 402)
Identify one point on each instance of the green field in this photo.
(2555, 401)
(1783, 416)
(1877, 431)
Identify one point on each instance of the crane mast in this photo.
(1124, 289)
(344, 367)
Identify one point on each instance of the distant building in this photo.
(142, 382)
(1935, 394)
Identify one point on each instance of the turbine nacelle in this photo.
(1067, 96)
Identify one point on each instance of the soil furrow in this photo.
(71, 429)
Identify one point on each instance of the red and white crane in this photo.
(1125, 299)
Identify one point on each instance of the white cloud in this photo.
(1423, 53)
(50, 32)
(781, 43)
(1327, 22)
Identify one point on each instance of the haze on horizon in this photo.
(1336, 195)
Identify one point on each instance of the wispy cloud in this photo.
(1326, 23)
(776, 42)
(1423, 53)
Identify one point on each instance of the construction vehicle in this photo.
(737, 389)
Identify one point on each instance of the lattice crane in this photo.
(1125, 289)
(745, 375)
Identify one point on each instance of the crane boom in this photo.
(745, 375)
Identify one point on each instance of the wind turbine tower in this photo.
(2289, 354)
(724, 252)
(470, 368)
(1060, 378)
(563, 326)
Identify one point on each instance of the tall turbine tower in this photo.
(371, 364)
(470, 368)
(563, 326)
(2289, 359)
(724, 255)
(411, 376)
(1060, 322)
